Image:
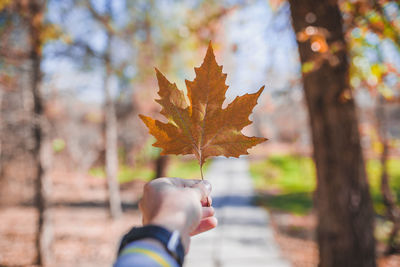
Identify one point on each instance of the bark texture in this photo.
(160, 166)
(342, 199)
(40, 151)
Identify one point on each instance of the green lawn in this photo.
(126, 173)
(286, 182)
(178, 166)
(184, 167)
(374, 172)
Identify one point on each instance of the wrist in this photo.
(170, 223)
(174, 224)
(154, 242)
(181, 220)
(159, 236)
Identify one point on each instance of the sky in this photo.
(266, 51)
(266, 48)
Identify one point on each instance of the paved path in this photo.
(244, 236)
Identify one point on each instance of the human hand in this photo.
(178, 204)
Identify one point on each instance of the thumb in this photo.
(204, 188)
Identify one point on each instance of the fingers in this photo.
(207, 185)
(207, 222)
(206, 202)
(207, 212)
(204, 188)
(205, 225)
(178, 182)
(190, 183)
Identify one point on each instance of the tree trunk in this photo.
(111, 154)
(161, 163)
(40, 153)
(343, 203)
(392, 211)
(111, 134)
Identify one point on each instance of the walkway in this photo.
(244, 236)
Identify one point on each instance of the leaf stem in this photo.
(202, 178)
(201, 171)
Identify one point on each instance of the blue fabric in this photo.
(143, 256)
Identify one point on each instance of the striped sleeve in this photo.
(143, 254)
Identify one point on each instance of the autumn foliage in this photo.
(203, 127)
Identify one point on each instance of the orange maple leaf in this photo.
(202, 127)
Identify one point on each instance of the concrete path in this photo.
(244, 236)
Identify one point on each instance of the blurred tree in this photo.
(159, 35)
(113, 55)
(13, 58)
(369, 25)
(135, 32)
(392, 210)
(110, 124)
(343, 203)
(37, 31)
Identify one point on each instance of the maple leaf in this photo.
(201, 127)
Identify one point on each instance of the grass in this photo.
(296, 203)
(182, 167)
(374, 172)
(126, 173)
(286, 183)
(285, 174)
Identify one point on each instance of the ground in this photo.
(84, 234)
(285, 184)
(295, 235)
